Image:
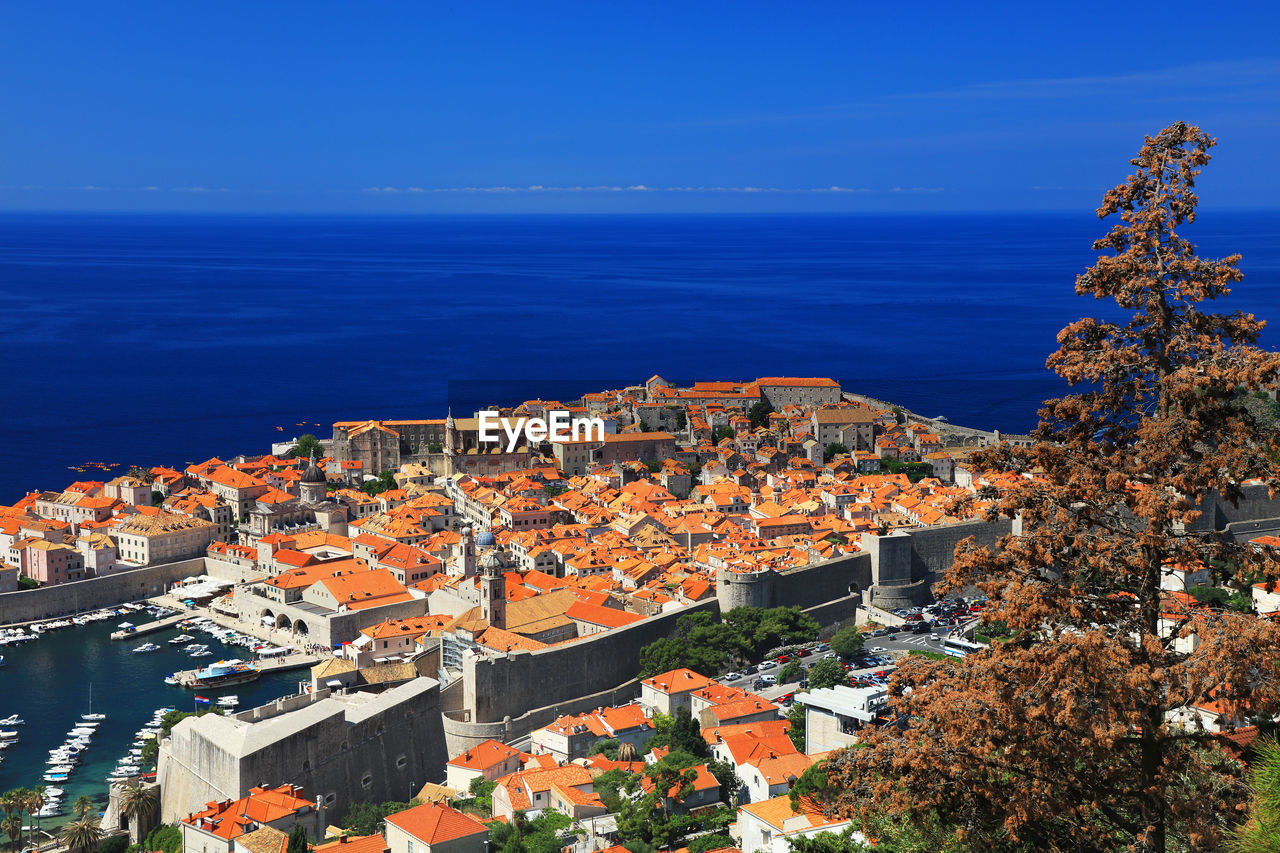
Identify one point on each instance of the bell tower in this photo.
(493, 591)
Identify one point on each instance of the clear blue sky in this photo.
(618, 106)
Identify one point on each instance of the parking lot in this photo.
(880, 651)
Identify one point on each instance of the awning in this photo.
(268, 621)
(333, 682)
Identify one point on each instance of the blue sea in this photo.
(163, 339)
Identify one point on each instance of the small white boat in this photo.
(93, 717)
(54, 792)
(181, 638)
(171, 679)
(56, 777)
(61, 768)
(146, 647)
(228, 701)
(51, 809)
(8, 734)
(203, 653)
(12, 720)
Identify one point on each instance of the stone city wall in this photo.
(461, 735)
(68, 599)
(383, 750)
(498, 687)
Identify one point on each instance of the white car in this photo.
(878, 650)
(733, 676)
(769, 679)
(769, 664)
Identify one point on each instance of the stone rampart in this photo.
(67, 599)
(507, 686)
(461, 735)
(340, 749)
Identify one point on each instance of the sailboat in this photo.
(92, 716)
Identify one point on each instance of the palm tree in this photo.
(137, 803)
(41, 798)
(12, 826)
(627, 752)
(82, 805)
(83, 834)
(34, 802)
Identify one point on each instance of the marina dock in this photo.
(187, 677)
(150, 627)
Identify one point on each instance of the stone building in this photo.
(279, 512)
(163, 538)
(781, 391)
(343, 748)
(385, 445)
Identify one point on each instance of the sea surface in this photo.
(52, 681)
(164, 339)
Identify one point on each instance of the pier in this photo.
(151, 627)
(187, 677)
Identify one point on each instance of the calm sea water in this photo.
(47, 683)
(164, 339)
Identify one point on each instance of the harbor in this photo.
(76, 708)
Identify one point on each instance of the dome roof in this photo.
(491, 560)
(312, 473)
(484, 539)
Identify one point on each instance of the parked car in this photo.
(769, 679)
(878, 649)
(803, 653)
(750, 669)
(732, 676)
(822, 647)
(758, 684)
(769, 664)
(830, 655)
(784, 659)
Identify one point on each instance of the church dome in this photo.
(491, 560)
(484, 539)
(313, 474)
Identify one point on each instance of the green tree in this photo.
(791, 672)
(832, 450)
(12, 826)
(114, 844)
(759, 413)
(848, 642)
(609, 785)
(727, 776)
(683, 735)
(607, 747)
(827, 672)
(435, 447)
(82, 834)
(83, 805)
(796, 717)
(1260, 832)
(710, 841)
(482, 794)
(814, 783)
(307, 446)
(297, 840)
(721, 433)
(166, 838)
(137, 803)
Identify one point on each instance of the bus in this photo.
(958, 648)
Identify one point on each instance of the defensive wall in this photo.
(66, 599)
(340, 749)
(461, 735)
(507, 686)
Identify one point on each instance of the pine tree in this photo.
(1075, 733)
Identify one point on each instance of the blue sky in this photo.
(569, 107)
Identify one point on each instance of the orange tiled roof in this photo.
(432, 823)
